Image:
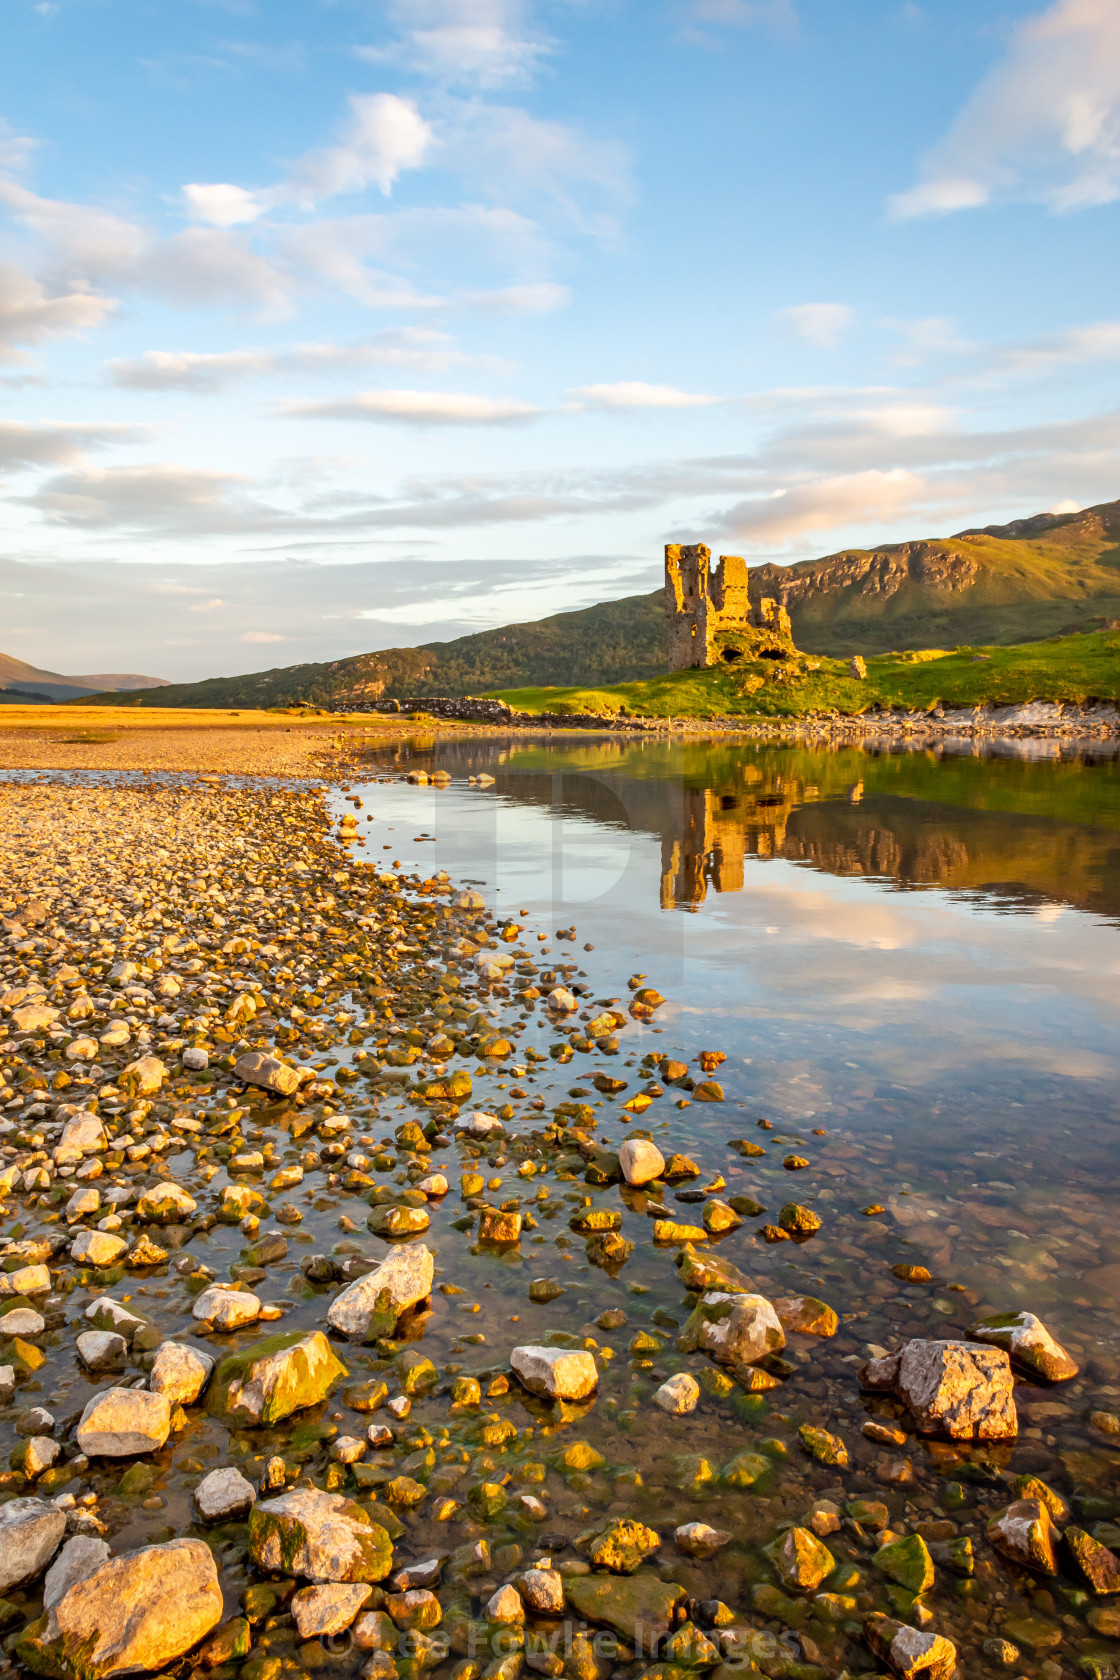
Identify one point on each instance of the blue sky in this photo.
(333, 326)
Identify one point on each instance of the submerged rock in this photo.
(639, 1607)
(136, 1613)
(909, 1651)
(735, 1329)
(321, 1536)
(275, 1377)
(623, 1546)
(1094, 1562)
(800, 1559)
(372, 1305)
(699, 1540)
(679, 1395)
(1029, 1343)
(320, 1612)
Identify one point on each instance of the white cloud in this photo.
(826, 505)
(195, 370)
(206, 606)
(152, 496)
(538, 297)
(417, 408)
(481, 44)
(1043, 125)
(385, 136)
(816, 323)
(58, 443)
(220, 204)
(634, 393)
(261, 636)
(30, 313)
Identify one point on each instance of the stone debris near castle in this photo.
(712, 620)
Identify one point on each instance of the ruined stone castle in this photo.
(711, 617)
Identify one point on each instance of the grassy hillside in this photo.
(1071, 668)
(1003, 584)
(600, 644)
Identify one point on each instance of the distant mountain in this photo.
(22, 684)
(616, 641)
(1037, 577)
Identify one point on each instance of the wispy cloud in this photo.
(417, 408)
(635, 393)
(192, 370)
(479, 44)
(1043, 125)
(816, 323)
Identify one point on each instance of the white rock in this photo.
(102, 1350)
(374, 1303)
(28, 1280)
(40, 1454)
(195, 1058)
(180, 1372)
(542, 1591)
(479, 1124)
(31, 1531)
(22, 1321)
(167, 1203)
(959, 1389)
(256, 1067)
(107, 1314)
(322, 1611)
(122, 1422)
(698, 1540)
(82, 1050)
(82, 1204)
(226, 1309)
(557, 1373)
(505, 1606)
(561, 1001)
(641, 1161)
(84, 1131)
(33, 1016)
(747, 1331)
(274, 1385)
(139, 1612)
(97, 1248)
(679, 1395)
(434, 1185)
(224, 1493)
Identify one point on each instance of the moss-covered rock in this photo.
(639, 1607)
(274, 1378)
(320, 1536)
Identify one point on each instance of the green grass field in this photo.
(1067, 668)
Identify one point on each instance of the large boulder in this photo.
(1031, 1346)
(83, 1132)
(134, 1614)
(910, 1651)
(372, 1305)
(958, 1389)
(97, 1248)
(122, 1422)
(555, 1373)
(319, 1536)
(180, 1372)
(638, 1607)
(81, 1556)
(31, 1531)
(275, 1377)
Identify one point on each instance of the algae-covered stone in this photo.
(806, 1315)
(910, 1651)
(1029, 1343)
(392, 1220)
(719, 1217)
(372, 1305)
(708, 1271)
(499, 1227)
(823, 1446)
(123, 1422)
(1091, 1560)
(608, 1250)
(1025, 1534)
(639, 1607)
(320, 1536)
(580, 1456)
(799, 1221)
(623, 1546)
(142, 1078)
(800, 1559)
(136, 1613)
(275, 1377)
(1032, 1487)
(907, 1562)
(745, 1469)
(555, 1373)
(166, 1204)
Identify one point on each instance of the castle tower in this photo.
(710, 616)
